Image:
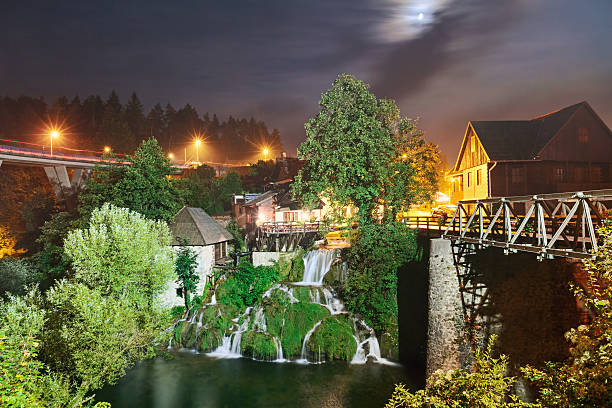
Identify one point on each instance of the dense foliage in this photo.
(377, 254)
(16, 275)
(246, 284)
(144, 186)
(185, 268)
(122, 253)
(93, 123)
(585, 379)
(201, 188)
(359, 152)
(486, 387)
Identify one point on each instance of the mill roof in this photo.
(198, 228)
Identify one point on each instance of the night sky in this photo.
(457, 61)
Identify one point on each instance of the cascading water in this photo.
(316, 265)
(266, 328)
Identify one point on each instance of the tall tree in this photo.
(143, 185)
(134, 116)
(359, 152)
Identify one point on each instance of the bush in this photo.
(247, 284)
(16, 275)
(484, 388)
(333, 339)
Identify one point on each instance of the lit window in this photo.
(478, 177)
(583, 135)
(469, 180)
(559, 174)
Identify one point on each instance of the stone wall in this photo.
(268, 258)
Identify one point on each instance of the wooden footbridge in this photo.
(284, 236)
(548, 225)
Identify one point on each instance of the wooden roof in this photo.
(198, 228)
(520, 139)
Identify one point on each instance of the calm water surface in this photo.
(198, 381)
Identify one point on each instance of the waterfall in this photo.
(213, 300)
(316, 265)
(303, 357)
(230, 344)
(279, 351)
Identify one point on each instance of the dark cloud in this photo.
(273, 59)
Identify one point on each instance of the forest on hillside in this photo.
(93, 123)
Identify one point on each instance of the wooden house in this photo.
(566, 150)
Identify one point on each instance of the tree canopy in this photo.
(360, 152)
(144, 186)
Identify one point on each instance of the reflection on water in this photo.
(197, 381)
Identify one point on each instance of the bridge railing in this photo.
(559, 224)
(288, 227)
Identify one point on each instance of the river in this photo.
(188, 380)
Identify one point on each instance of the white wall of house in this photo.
(206, 261)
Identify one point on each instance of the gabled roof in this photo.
(522, 139)
(262, 198)
(198, 228)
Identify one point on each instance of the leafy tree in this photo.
(123, 254)
(359, 152)
(16, 275)
(585, 379)
(185, 268)
(485, 387)
(203, 189)
(143, 186)
(7, 243)
(377, 253)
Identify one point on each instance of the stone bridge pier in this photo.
(473, 293)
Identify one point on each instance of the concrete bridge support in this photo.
(63, 186)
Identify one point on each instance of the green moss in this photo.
(177, 332)
(334, 338)
(302, 293)
(208, 340)
(258, 345)
(299, 318)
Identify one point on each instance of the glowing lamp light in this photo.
(265, 152)
(107, 149)
(404, 156)
(53, 133)
(170, 156)
(420, 16)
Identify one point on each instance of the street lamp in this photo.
(265, 152)
(53, 133)
(107, 149)
(197, 143)
(170, 156)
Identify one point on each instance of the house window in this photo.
(289, 216)
(460, 183)
(517, 175)
(220, 250)
(469, 180)
(559, 174)
(583, 135)
(478, 177)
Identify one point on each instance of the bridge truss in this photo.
(549, 225)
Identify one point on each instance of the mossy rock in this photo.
(389, 346)
(188, 335)
(208, 340)
(258, 345)
(292, 270)
(333, 339)
(302, 293)
(177, 332)
(299, 318)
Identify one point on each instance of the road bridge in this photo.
(57, 164)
